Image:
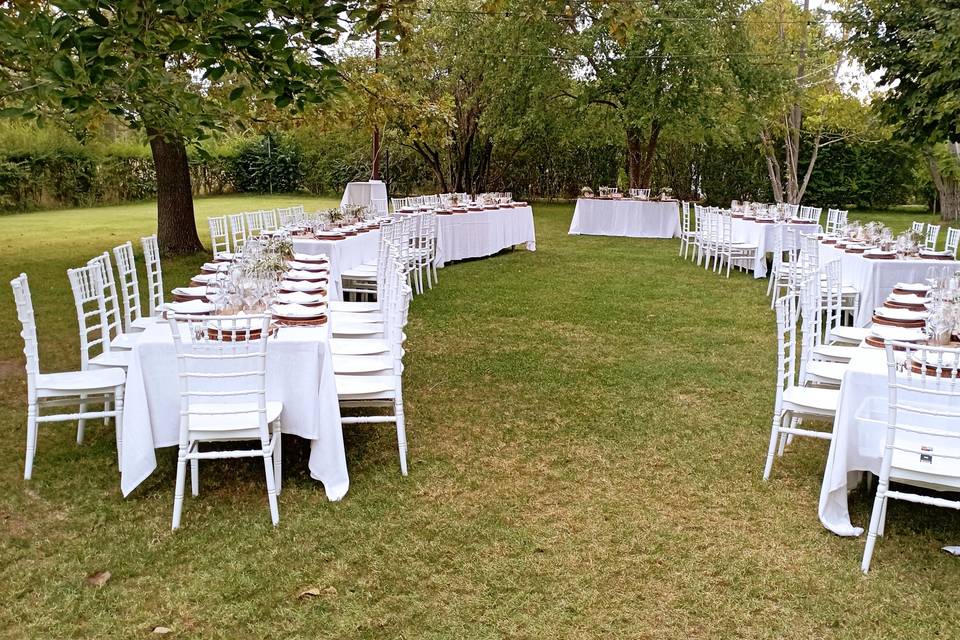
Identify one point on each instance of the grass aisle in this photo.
(587, 427)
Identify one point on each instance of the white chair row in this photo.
(714, 241)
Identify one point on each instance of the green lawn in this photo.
(587, 427)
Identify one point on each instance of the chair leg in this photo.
(278, 458)
(31, 440)
(107, 406)
(82, 422)
(774, 436)
(401, 434)
(271, 488)
(195, 476)
(875, 522)
(118, 421)
(178, 488)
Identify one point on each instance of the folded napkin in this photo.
(304, 275)
(190, 307)
(301, 285)
(299, 297)
(297, 311)
(307, 266)
(190, 292)
(310, 257)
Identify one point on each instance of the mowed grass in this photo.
(587, 427)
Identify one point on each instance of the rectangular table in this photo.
(859, 435)
(763, 235)
(875, 279)
(628, 218)
(476, 234)
(344, 254)
(299, 374)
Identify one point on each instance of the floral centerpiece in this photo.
(586, 192)
(666, 193)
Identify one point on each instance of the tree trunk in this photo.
(634, 156)
(176, 226)
(948, 189)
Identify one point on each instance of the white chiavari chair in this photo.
(238, 230)
(687, 233)
(793, 210)
(833, 222)
(837, 297)
(922, 446)
(108, 285)
(917, 227)
(637, 193)
(812, 293)
(151, 256)
(794, 403)
(92, 320)
(286, 217)
(380, 206)
(782, 271)
(931, 237)
(268, 220)
(133, 318)
(219, 238)
(64, 389)
(813, 369)
(222, 373)
(298, 211)
(253, 222)
(953, 240)
(739, 254)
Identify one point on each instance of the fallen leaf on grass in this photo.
(162, 630)
(98, 579)
(315, 592)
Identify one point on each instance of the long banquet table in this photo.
(344, 254)
(299, 374)
(625, 217)
(476, 234)
(875, 279)
(763, 235)
(859, 435)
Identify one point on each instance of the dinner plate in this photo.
(213, 267)
(900, 334)
(902, 298)
(906, 315)
(307, 266)
(936, 254)
(311, 258)
(312, 276)
(301, 298)
(915, 287)
(301, 285)
(297, 311)
(190, 307)
(203, 277)
(190, 292)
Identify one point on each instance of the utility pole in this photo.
(375, 160)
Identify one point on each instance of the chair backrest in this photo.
(129, 284)
(380, 205)
(933, 234)
(219, 236)
(809, 254)
(238, 231)
(221, 370)
(268, 220)
(108, 285)
(28, 330)
(953, 240)
(786, 347)
(253, 222)
(91, 312)
(923, 411)
(151, 256)
(917, 227)
(685, 217)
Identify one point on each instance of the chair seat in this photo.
(340, 317)
(854, 335)
(353, 307)
(359, 273)
(91, 379)
(213, 420)
(743, 246)
(811, 400)
(369, 329)
(825, 371)
(358, 346)
(938, 474)
(373, 363)
(366, 387)
(111, 359)
(835, 352)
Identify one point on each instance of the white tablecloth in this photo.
(631, 218)
(344, 254)
(364, 192)
(299, 374)
(859, 435)
(763, 234)
(476, 234)
(875, 279)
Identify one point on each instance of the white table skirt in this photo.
(763, 234)
(344, 254)
(299, 374)
(364, 192)
(476, 234)
(875, 279)
(859, 435)
(630, 218)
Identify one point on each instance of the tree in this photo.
(660, 67)
(174, 69)
(915, 47)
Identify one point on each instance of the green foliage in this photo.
(268, 164)
(864, 174)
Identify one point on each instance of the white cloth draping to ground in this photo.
(344, 254)
(875, 279)
(364, 192)
(763, 235)
(630, 218)
(299, 374)
(859, 435)
(476, 234)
